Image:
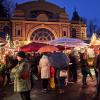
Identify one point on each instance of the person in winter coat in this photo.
(10, 62)
(84, 69)
(44, 67)
(97, 68)
(73, 67)
(21, 72)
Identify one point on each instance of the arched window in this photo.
(64, 33)
(82, 36)
(42, 34)
(18, 33)
(6, 29)
(73, 35)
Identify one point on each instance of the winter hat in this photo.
(21, 54)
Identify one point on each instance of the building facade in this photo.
(42, 21)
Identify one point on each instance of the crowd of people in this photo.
(54, 69)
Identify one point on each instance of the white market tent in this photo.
(69, 42)
(95, 40)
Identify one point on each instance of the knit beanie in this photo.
(21, 54)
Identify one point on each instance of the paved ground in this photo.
(73, 91)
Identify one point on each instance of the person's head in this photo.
(20, 55)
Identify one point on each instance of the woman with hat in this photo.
(21, 74)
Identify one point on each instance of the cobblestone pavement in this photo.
(73, 91)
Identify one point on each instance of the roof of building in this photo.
(76, 18)
(26, 8)
(39, 5)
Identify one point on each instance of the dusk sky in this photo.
(89, 9)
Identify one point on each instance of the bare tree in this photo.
(3, 10)
(9, 5)
(98, 31)
(92, 26)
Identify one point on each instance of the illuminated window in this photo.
(18, 33)
(64, 33)
(6, 29)
(42, 35)
(73, 35)
(18, 30)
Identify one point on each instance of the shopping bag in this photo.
(52, 82)
(35, 77)
(25, 75)
(52, 71)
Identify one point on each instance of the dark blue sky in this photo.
(89, 9)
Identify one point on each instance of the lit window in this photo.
(73, 33)
(42, 35)
(6, 29)
(18, 33)
(64, 33)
